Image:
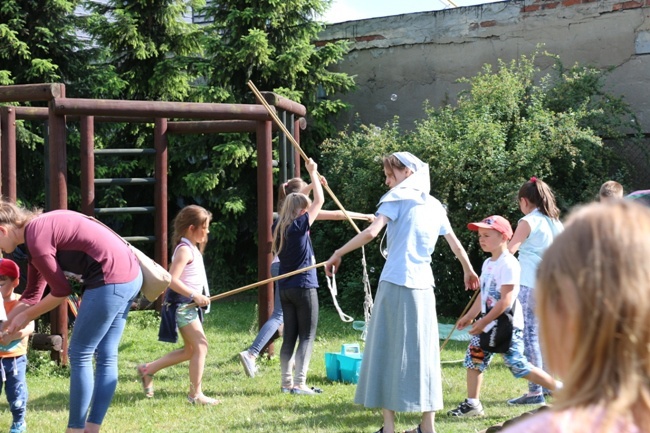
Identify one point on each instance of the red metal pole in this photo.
(58, 200)
(160, 200)
(296, 154)
(265, 219)
(31, 92)
(9, 153)
(87, 129)
(182, 110)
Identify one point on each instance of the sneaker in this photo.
(248, 362)
(18, 427)
(528, 399)
(467, 409)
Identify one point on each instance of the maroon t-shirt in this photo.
(64, 244)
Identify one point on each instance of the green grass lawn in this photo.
(249, 405)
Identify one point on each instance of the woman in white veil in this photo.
(400, 371)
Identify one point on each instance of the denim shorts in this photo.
(479, 359)
(185, 316)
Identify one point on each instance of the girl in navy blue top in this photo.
(292, 244)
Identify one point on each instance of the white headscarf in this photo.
(416, 186)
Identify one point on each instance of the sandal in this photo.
(415, 430)
(381, 430)
(142, 373)
(202, 399)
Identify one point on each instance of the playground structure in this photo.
(197, 118)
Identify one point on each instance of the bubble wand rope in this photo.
(259, 283)
(469, 304)
(368, 303)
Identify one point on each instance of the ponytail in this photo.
(540, 194)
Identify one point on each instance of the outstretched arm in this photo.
(470, 278)
(358, 241)
(338, 215)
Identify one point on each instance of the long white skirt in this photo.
(400, 370)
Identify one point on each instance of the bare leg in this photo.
(389, 420)
(427, 425)
(540, 377)
(474, 382)
(92, 428)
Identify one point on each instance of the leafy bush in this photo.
(504, 129)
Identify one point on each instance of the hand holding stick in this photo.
(259, 283)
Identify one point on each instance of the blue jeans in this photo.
(531, 333)
(300, 308)
(97, 332)
(273, 324)
(15, 385)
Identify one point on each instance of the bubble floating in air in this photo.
(393, 97)
(468, 206)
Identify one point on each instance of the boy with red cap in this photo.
(13, 350)
(499, 289)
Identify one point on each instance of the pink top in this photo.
(568, 421)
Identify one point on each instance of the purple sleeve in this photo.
(35, 286)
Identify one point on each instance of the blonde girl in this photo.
(189, 284)
(534, 233)
(593, 304)
(272, 325)
(292, 244)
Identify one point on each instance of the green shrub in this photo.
(503, 130)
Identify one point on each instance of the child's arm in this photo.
(18, 335)
(182, 257)
(502, 305)
(470, 278)
(317, 189)
(521, 234)
(464, 321)
(337, 215)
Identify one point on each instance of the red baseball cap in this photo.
(494, 222)
(9, 268)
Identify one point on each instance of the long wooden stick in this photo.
(259, 283)
(295, 144)
(469, 304)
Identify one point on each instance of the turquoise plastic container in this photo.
(344, 366)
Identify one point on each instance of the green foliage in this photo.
(504, 129)
(148, 44)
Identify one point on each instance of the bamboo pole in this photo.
(259, 283)
(296, 145)
(469, 304)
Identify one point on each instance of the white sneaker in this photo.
(467, 409)
(248, 362)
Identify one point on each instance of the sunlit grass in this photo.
(250, 405)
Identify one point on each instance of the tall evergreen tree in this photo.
(149, 43)
(39, 41)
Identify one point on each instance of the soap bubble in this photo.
(468, 206)
(393, 97)
(444, 205)
(372, 270)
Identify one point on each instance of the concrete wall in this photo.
(401, 61)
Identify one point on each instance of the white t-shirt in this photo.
(504, 270)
